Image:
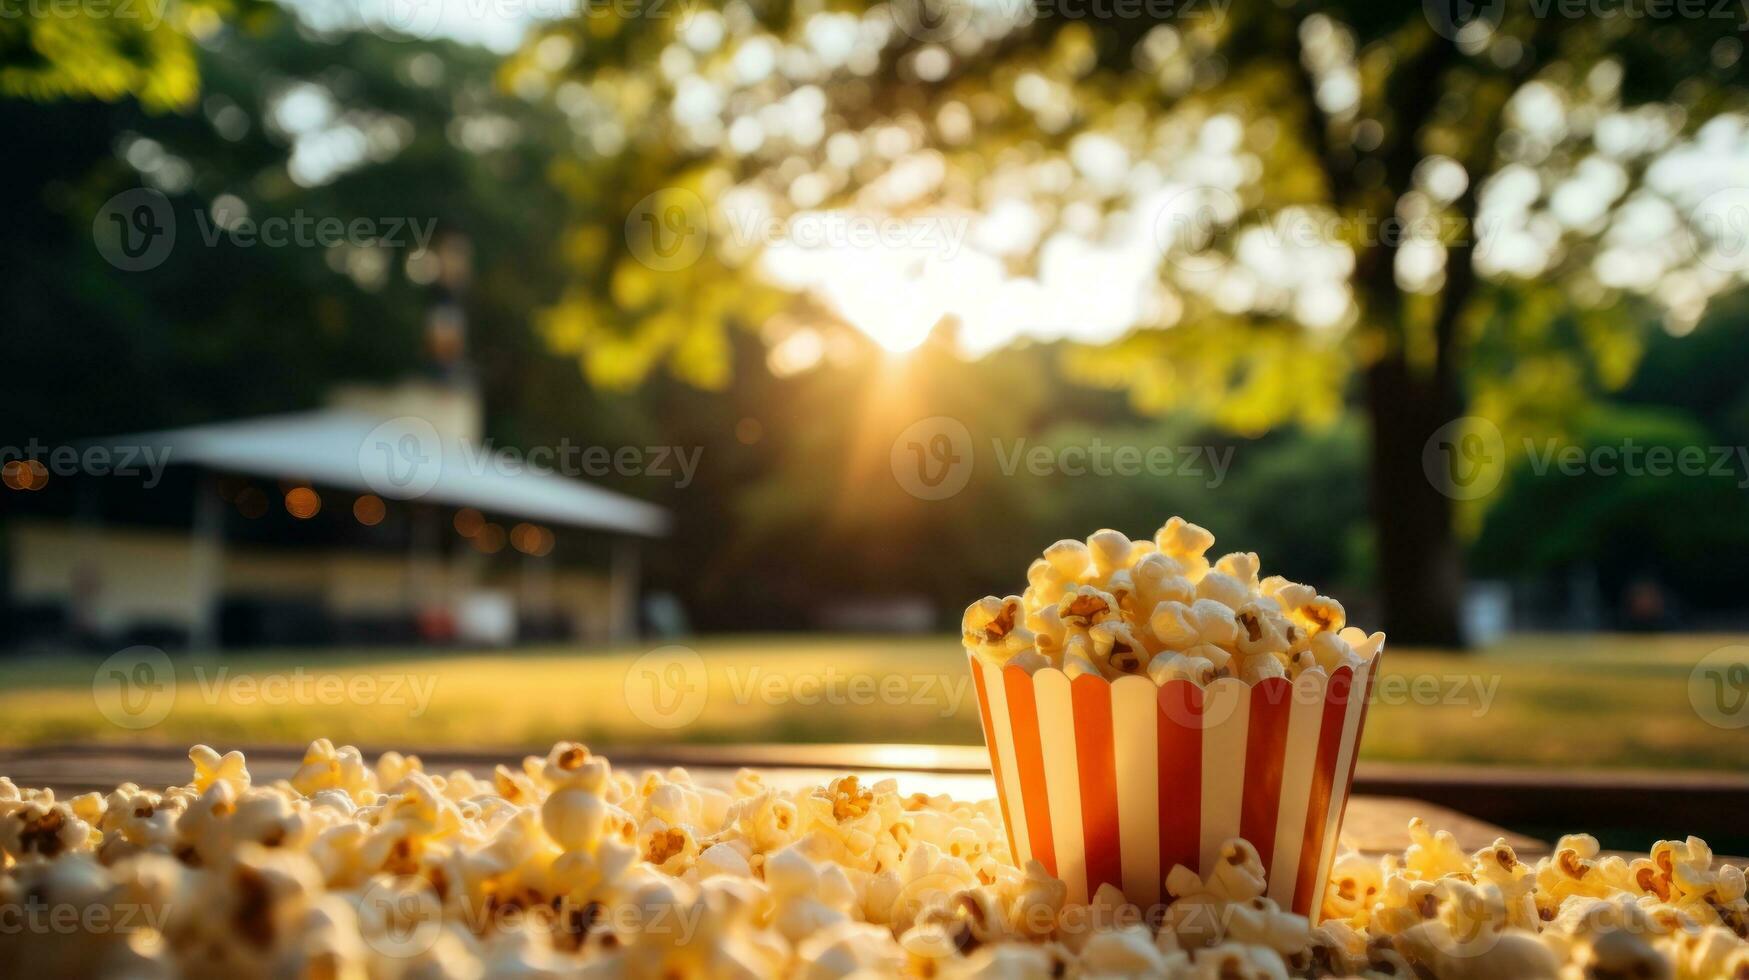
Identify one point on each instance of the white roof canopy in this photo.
(403, 458)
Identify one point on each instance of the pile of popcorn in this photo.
(565, 866)
(1114, 607)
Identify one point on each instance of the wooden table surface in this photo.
(1373, 824)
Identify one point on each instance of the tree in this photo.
(1269, 209)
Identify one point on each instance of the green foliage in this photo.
(222, 329)
(1684, 525)
(112, 49)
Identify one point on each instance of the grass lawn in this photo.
(1591, 701)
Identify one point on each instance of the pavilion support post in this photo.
(423, 556)
(85, 598)
(622, 621)
(535, 589)
(206, 567)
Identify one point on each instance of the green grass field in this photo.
(1597, 701)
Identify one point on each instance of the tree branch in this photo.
(1460, 259)
(1315, 128)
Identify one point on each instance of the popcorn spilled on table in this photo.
(566, 866)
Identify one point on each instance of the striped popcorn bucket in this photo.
(1109, 782)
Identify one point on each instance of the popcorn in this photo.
(990, 621)
(356, 871)
(1182, 666)
(1260, 667)
(210, 767)
(1085, 607)
(1222, 588)
(1116, 607)
(1110, 551)
(1129, 951)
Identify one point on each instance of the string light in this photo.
(302, 503)
(468, 522)
(369, 510)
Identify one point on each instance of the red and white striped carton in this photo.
(1117, 781)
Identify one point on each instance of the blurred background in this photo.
(577, 357)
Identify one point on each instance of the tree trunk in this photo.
(1420, 563)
